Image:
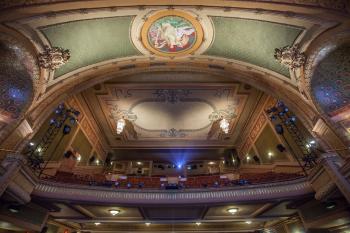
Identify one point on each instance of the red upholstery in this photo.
(154, 182)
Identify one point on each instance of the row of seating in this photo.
(157, 182)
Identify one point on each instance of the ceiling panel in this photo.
(170, 115)
(252, 41)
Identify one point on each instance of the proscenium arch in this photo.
(262, 81)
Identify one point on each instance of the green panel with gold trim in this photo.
(251, 41)
(92, 41)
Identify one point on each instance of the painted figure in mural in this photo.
(172, 34)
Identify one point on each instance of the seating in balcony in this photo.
(140, 182)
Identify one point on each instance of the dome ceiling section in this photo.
(240, 36)
(18, 79)
(330, 85)
(170, 114)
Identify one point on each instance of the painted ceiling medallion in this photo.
(172, 33)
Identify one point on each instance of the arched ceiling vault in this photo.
(239, 37)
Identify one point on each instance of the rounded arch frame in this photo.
(319, 50)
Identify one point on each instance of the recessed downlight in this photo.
(232, 210)
(97, 223)
(114, 212)
(148, 223)
(198, 223)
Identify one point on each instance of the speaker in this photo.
(279, 129)
(68, 154)
(256, 159)
(280, 148)
(231, 158)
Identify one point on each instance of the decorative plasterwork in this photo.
(255, 127)
(93, 135)
(19, 78)
(279, 190)
(53, 58)
(326, 79)
(31, 28)
(339, 5)
(290, 56)
(170, 112)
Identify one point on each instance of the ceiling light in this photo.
(270, 154)
(32, 143)
(114, 212)
(224, 125)
(138, 163)
(13, 208)
(232, 210)
(97, 223)
(120, 125)
(198, 223)
(211, 163)
(331, 205)
(148, 223)
(248, 222)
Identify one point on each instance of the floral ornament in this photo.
(53, 58)
(290, 56)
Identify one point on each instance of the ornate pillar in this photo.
(17, 179)
(332, 172)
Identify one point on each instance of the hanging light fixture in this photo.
(120, 125)
(224, 125)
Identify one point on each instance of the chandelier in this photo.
(120, 125)
(224, 125)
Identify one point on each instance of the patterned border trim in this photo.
(279, 190)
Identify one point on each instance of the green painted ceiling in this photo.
(92, 41)
(251, 41)
(97, 40)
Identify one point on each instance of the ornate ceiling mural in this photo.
(97, 37)
(171, 33)
(170, 114)
(162, 112)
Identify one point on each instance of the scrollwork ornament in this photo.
(53, 58)
(290, 56)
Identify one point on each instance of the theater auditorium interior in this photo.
(180, 116)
